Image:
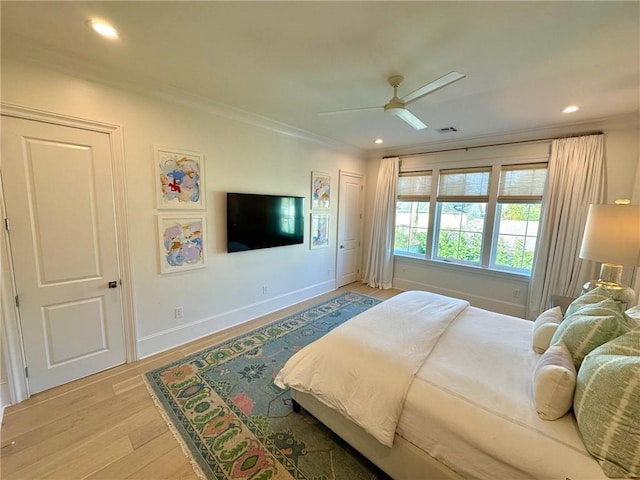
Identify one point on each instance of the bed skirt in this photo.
(404, 461)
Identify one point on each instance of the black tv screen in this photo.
(263, 221)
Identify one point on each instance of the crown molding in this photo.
(627, 120)
(23, 50)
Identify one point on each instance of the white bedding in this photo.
(468, 403)
(364, 367)
(480, 418)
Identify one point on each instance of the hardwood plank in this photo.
(140, 457)
(164, 466)
(148, 432)
(75, 426)
(106, 426)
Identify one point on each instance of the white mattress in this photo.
(470, 406)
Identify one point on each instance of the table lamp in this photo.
(612, 237)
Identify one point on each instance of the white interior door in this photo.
(58, 188)
(349, 227)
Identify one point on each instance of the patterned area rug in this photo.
(236, 424)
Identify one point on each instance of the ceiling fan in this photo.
(398, 106)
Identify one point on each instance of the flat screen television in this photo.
(263, 221)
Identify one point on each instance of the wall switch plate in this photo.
(177, 313)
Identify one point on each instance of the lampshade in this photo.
(612, 235)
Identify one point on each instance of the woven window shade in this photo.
(464, 185)
(522, 183)
(414, 186)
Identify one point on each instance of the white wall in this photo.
(240, 156)
(503, 292)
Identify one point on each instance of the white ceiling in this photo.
(287, 61)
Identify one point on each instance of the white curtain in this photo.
(379, 266)
(576, 179)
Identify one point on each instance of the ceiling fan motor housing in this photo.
(395, 103)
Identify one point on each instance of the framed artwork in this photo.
(320, 190)
(319, 230)
(182, 242)
(179, 179)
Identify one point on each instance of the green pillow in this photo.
(607, 405)
(589, 326)
(593, 296)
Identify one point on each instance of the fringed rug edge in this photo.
(187, 453)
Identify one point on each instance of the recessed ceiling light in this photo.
(571, 109)
(103, 29)
(379, 141)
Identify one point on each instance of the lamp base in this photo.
(611, 273)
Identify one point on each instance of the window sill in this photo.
(462, 268)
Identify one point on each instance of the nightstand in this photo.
(560, 301)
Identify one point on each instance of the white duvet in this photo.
(364, 367)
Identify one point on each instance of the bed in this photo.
(444, 390)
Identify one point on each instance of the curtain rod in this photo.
(495, 145)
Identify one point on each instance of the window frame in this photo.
(426, 198)
(490, 230)
(502, 200)
(496, 236)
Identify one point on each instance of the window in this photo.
(482, 216)
(462, 204)
(412, 213)
(517, 216)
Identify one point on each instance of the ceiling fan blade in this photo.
(432, 87)
(408, 117)
(349, 110)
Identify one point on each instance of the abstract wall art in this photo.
(182, 242)
(320, 190)
(319, 230)
(179, 179)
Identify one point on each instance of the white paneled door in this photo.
(349, 228)
(59, 196)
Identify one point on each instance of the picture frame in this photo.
(320, 191)
(319, 235)
(182, 242)
(180, 179)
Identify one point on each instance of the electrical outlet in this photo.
(264, 289)
(177, 313)
(516, 293)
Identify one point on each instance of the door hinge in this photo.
(6, 224)
(26, 372)
(17, 301)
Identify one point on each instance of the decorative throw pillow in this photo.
(554, 381)
(633, 315)
(607, 405)
(589, 327)
(593, 296)
(544, 327)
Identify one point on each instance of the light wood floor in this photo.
(106, 426)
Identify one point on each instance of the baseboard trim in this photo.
(507, 308)
(174, 337)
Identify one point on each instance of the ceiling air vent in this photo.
(447, 130)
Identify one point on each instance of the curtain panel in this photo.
(576, 179)
(379, 266)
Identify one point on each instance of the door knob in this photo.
(113, 284)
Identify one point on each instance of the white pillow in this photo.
(544, 327)
(554, 382)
